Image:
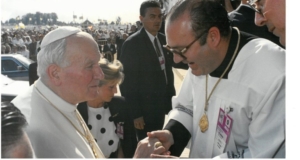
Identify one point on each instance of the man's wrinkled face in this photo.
(80, 79)
(272, 14)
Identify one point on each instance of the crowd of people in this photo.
(21, 42)
(27, 41)
(231, 103)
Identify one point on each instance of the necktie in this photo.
(157, 48)
(159, 55)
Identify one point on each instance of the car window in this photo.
(9, 65)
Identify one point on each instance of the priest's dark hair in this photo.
(204, 14)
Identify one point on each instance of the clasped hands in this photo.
(149, 147)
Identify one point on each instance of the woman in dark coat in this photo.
(107, 116)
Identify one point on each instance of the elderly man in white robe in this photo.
(69, 73)
(232, 100)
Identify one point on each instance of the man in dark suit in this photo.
(32, 49)
(243, 17)
(149, 81)
(109, 50)
(120, 42)
(32, 73)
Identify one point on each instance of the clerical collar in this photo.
(232, 45)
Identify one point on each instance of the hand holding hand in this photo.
(164, 136)
(147, 146)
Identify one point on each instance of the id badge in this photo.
(162, 62)
(120, 131)
(223, 130)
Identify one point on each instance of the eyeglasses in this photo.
(182, 51)
(252, 4)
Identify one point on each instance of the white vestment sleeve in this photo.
(183, 104)
(267, 129)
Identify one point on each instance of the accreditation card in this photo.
(162, 62)
(224, 127)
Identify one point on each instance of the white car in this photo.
(11, 88)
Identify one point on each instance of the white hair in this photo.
(53, 53)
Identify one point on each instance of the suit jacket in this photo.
(32, 50)
(118, 109)
(112, 48)
(243, 18)
(32, 73)
(119, 42)
(144, 85)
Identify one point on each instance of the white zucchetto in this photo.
(59, 33)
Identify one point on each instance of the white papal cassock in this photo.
(50, 133)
